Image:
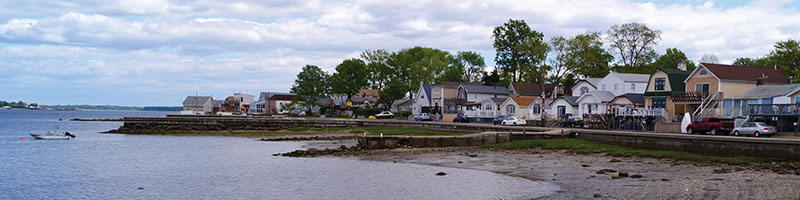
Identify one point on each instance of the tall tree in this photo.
(671, 58)
(580, 55)
(786, 56)
(490, 79)
(377, 69)
(759, 62)
(418, 65)
(472, 63)
(451, 74)
(634, 44)
(350, 76)
(709, 58)
(310, 86)
(393, 91)
(535, 51)
(507, 41)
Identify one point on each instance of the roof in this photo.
(217, 103)
(593, 81)
(454, 84)
(745, 73)
(281, 97)
(427, 88)
(637, 99)
(485, 89)
(604, 96)
(401, 101)
(676, 78)
(523, 101)
(372, 92)
(498, 100)
(571, 100)
(266, 95)
(766, 91)
(196, 100)
(533, 89)
(642, 78)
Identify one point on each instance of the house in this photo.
(595, 102)
(271, 103)
(710, 87)
(473, 100)
(445, 96)
(584, 86)
(401, 105)
(540, 110)
(564, 106)
(198, 105)
(662, 84)
(422, 101)
(517, 107)
(218, 106)
(622, 83)
(550, 90)
(776, 104)
(244, 101)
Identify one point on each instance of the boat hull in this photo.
(50, 137)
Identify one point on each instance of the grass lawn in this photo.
(585, 147)
(377, 130)
(226, 133)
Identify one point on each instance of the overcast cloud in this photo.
(156, 52)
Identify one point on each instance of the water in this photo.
(115, 166)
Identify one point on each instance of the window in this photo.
(536, 109)
(562, 110)
(701, 87)
(475, 95)
(584, 90)
(510, 109)
(660, 83)
(604, 87)
(659, 102)
(436, 90)
(703, 72)
(615, 86)
(633, 87)
(488, 106)
(797, 99)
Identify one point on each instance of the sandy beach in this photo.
(582, 176)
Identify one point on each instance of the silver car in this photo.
(756, 129)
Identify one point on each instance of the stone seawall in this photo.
(477, 139)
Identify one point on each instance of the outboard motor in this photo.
(69, 134)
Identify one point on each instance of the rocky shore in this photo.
(590, 176)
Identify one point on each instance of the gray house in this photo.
(198, 105)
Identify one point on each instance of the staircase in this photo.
(710, 102)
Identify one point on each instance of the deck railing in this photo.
(480, 113)
(632, 112)
(774, 109)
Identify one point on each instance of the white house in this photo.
(422, 99)
(538, 111)
(198, 105)
(563, 106)
(584, 86)
(594, 102)
(622, 83)
(477, 93)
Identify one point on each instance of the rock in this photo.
(623, 174)
(664, 179)
(312, 150)
(141, 188)
(616, 177)
(585, 165)
(636, 176)
(473, 155)
(441, 174)
(597, 195)
(614, 160)
(603, 171)
(460, 161)
(721, 171)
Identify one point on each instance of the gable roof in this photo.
(744, 73)
(642, 78)
(533, 89)
(521, 101)
(603, 96)
(217, 103)
(196, 100)
(499, 100)
(427, 88)
(676, 78)
(267, 95)
(571, 100)
(637, 99)
(766, 91)
(485, 89)
(454, 84)
(593, 81)
(401, 102)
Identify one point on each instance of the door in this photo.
(748, 128)
(562, 110)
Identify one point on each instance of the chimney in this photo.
(760, 81)
(682, 65)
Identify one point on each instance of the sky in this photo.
(157, 52)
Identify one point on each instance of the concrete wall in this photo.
(390, 142)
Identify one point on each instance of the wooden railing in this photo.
(689, 96)
(647, 112)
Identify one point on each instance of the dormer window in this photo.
(703, 72)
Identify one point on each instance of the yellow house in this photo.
(662, 84)
(711, 88)
(517, 107)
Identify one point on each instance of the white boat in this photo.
(51, 136)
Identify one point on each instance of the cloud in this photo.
(161, 50)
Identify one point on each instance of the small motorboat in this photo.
(52, 136)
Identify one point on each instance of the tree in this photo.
(671, 58)
(451, 74)
(760, 62)
(508, 40)
(377, 69)
(418, 65)
(350, 76)
(634, 43)
(310, 86)
(582, 55)
(393, 91)
(535, 51)
(709, 58)
(472, 63)
(786, 57)
(490, 79)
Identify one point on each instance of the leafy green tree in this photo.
(377, 68)
(535, 51)
(490, 79)
(671, 58)
(509, 39)
(580, 55)
(786, 56)
(759, 62)
(451, 74)
(634, 45)
(310, 86)
(393, 91)
(418, 65)
(350, 76)
(472, 63)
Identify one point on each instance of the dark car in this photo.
(573, 122)
(499, 119)
(461, 118)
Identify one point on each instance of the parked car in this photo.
(461, 118)
(385, 115)
(712, 125)
(422, 117)
(297, 113)
(499, 119)
(573, 122)
(514, 121)
(756, 129)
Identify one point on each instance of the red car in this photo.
(712, 124)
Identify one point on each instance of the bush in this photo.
(402, 114)
(366, 111)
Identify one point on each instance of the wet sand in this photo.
(578, 178)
